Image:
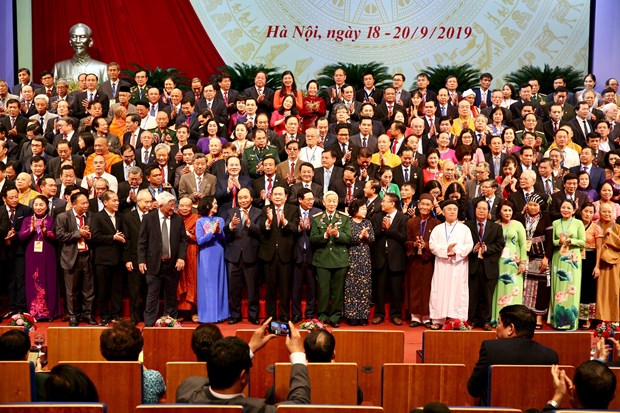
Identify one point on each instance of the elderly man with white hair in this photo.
(43, 116)
(519, 199)
(162, 245)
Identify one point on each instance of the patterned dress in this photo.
(509, 289)
(566, 274)
(358, 281)
(587, 305)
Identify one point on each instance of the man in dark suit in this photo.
(520, 198)
(581, 124)
(91, 94)
(333, 94)
(108, 241)
(496, 157)
(23, 74)
(365, 137)
(546, 182)
(278, 224)
(128, 190)
(49, 189)
(384, 112)
(346, 152)
(230, 184)
(514, 346)
(15, 265)
(483, 93)
(444, 107)
(72, 230)
(304, 272)
(569, 192)
(135, 281)
(597, 175)
(489, 242)
(370, 93)
(403, 97)
(489, 192)
(216, 106)
(330, 234)
(306, 173)
(496, 99)
(329, 173)
(559, 98)
(406, 172)
(63, 148)
(120, 170)
(133, 136)
(111, 87)
(162, 246)
(388, 258)
(348, 188)
(229, 366)
(189, 117)
(372, 199)
(242, 243)
(225, 93)
(15, 123)
(262, 94)
(263, 186)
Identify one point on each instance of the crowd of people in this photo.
(428, 205)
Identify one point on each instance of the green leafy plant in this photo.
(545, 76)
(355, 74)
(242, 75)
(157, 76)
(466, 75)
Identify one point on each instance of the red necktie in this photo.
(390, 111)
(394, 145)
(188, 120)
(234, 196)
(163, 173)
(226, 98)
(292, 169)
(269, 185)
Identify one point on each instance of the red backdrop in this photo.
(164, 33)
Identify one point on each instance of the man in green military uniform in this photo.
(162, 133)
(254, 155)
(330, 236)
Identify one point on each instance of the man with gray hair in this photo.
(128, 190)
(135, 281)
(62, 90)
(43, 116)
(520, 198)
(162, 245)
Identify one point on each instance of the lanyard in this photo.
(451, 231)
(423, 228)
(531, 223)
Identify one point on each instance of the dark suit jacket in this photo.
(195, 390)
(68, 234)
(17, 89)
(489, 159)
(452, 112)
(547, 128)
(258, 185)
(118, 171)
(279, 240)
(21, 123)
(303, 238)
(224, 198)
(341, 189)
(559, 197)
(416, 178)
(374, 208)
(123, 194)
(243, 242)
(107, 251)
(597, 175)
(493, 239)
(127, 139)
(233, 96)
(515, 351)
(217, 107)
(494, 208)
(381, 113)
(578, 137)
(53, 166)
(371, 142)
(266, 106)
(106, 88)
(194, 125)
(150, 242)
(140, 157)
(74, 142)
(518, 200)
(396, 236)
(569, 111)
(478, 99)
(319, 176)
(556, 183)
(79, 111)
(337, 147)
(376, 94)
(317, 191)
(131, 220)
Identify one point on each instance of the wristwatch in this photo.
(553, 403)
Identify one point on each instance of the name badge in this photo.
(38, 246)
(528, 245)
(81, 245)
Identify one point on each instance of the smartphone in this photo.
(279, 329)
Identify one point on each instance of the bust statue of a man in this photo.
(80, 39)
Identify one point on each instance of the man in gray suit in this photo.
(228, 370)
(198, 184)
(72, 229)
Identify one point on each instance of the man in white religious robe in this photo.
(451, 242)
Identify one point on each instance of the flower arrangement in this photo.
(24, 320)
(606, 329)
(458, 325)
(167, 321)
(314, 324)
